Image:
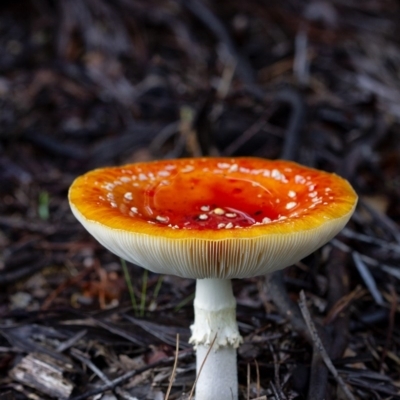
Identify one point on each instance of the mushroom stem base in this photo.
(218, 376)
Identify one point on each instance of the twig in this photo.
(166, 334)
(248, 133)
(71, 341)
(165, 135)
(368, 279)
(276, 373)
(292, 132)
(208, 18)
(258, 378)
(343, 303)
(77, 354)
(392, 315)
(294, 99)
(339, 299)
(117, 331)
(275, 392)
(248, 381)
(171, 380)
(301, 63)
(318, 346)
(286, 306)
(130, 374)
(319, 374)
(395, 247)
(367, 259)
(383, 220)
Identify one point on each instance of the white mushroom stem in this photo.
(215, 324)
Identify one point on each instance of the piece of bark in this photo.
(43, 373)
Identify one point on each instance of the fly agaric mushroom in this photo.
(213, 219)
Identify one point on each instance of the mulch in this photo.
(89, 83)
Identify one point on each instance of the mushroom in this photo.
(213, 219)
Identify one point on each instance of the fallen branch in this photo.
(123, 378)
(318, 346)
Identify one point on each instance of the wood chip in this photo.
(44, 374)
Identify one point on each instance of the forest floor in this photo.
(89, 83)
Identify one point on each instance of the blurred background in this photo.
(89, 83)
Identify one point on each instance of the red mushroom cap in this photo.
(212, 217)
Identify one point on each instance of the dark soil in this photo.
(89, 83)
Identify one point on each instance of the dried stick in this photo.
(339, 299)
(392, 315)
(123, 378)
(294, 99)
(172, 378)
(319, 374)
(210, 20)
(248, 381)
(319, 347)
(276, 372)
(286, 306)
(258, 378)
(275, 392)
(77, 354)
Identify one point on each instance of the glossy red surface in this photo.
(209, 193)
